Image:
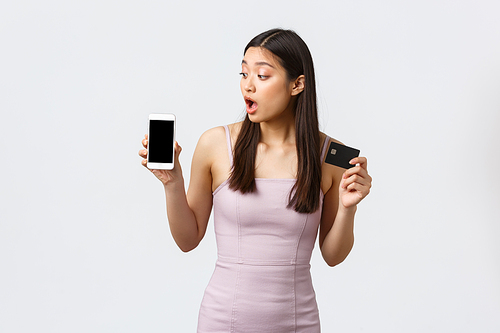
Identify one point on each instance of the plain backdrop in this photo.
(84, 241)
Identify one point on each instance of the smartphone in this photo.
(161, 139)
(340, 155)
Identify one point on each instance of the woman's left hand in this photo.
(355, 184)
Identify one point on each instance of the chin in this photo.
(253, 118)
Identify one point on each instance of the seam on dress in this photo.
(297, 242)
(295, 272)
(295, 299)
(234, 311)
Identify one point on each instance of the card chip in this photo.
(340, 155)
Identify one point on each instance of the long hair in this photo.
(294, 56)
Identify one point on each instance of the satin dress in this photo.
(262, 281)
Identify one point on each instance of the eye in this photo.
(243, 75)
(262, 77)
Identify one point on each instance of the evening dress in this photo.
(262, 281)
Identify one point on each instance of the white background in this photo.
(84, 242)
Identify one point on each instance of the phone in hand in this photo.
(161, 139)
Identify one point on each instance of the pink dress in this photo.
(262, 281)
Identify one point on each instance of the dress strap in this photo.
(229, 146)
(325, 145)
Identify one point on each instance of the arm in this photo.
(348, 188)
(188, 214)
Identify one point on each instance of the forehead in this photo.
(258, 56)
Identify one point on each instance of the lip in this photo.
(252, 106)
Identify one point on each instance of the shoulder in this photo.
(325, 142)
(213, 142)
(234, 130)
(211, 156)
(323, 137)
(210, 143)
(212, 135)
(331, 174)
(218, 134)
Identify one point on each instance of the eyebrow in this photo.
(259, 63)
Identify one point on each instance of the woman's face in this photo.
(265, 87)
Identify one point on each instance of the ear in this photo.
(298, 85)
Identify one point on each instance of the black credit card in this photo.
(340, 155)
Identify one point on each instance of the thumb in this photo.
(177, 151)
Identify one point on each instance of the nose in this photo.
(248, 85)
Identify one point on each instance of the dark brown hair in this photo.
(294, 56)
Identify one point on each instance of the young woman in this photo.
(271, 191)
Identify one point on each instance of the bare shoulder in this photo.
(209, 145)
(236, 126)
(234, 130)
(331, 174)
(323, 137)
(212, 136)
(213, 139)
(212, 155)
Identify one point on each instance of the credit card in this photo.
(340, 155)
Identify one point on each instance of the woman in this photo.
(271, 191)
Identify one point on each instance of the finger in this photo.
(177, 150)
(362, 173)
(357, 174)
(355, 179)
(143, 153)
(362, 190)
(362, 161)
(145, 142)
(357, 170)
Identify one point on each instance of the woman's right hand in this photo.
(165, 176)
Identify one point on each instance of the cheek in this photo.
(281, 96)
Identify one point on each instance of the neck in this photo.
(279, 131)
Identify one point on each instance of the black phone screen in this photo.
(161, 141)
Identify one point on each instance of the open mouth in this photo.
(251, 105)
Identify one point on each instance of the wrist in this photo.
(173, 186)
(347, 210)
